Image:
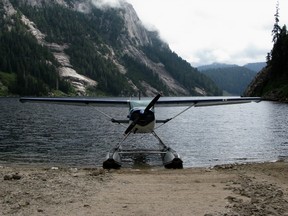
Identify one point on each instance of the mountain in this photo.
(215, 65)
(87, 47)
(257, 66)
(272, 81)
(232, 79)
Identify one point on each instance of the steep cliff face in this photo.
(106, 40)
(267, 86)
(257, 85)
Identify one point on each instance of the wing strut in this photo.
(175, 116)
(111, 118)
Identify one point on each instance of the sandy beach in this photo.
(251, 189)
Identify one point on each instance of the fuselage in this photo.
(145, 120)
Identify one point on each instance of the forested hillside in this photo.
(215, 65)
(232, 79)
(272, 82)
(25, 66)
(257, 66)
(74, 47)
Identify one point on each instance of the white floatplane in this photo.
(141, 119)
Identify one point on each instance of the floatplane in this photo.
(141, 119)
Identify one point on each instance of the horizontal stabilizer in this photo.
(163, 120)
(141, 152)
(120, 121)
(126, 121)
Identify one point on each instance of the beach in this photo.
(248, 189)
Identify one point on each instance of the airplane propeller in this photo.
(146, 111)
(152, 103)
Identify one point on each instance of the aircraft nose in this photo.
(143, 118)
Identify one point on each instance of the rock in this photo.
(16, 176)
(8, 177)
(225, 166)
(97, 172)
(16, 207)
(54, 168)
(234, 199)
(265, 199)
(73, 170)
(24, 203)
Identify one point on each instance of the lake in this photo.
(64, 135)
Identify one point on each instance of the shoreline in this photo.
(242, 189)
(141, 165)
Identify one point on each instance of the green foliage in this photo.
(63, 25)
(181, 70)
(279, 53)
(85, 34)
(273, 82)
(139, 73)
(3, 90)
(278, 56)
(94, 41)
(7, 83)
(88, 62)
(32, 63)
(276, 28)
(277, 82)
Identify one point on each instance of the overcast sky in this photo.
(207, 31)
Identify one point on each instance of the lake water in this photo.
(64, 135)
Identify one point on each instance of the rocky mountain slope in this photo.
(91, 48)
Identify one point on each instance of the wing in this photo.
(165, 101)
(204, 101)
(78, 101)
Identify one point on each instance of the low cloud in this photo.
(107, 3)
(250, 54)
(207, 56)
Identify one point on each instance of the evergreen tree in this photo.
(276, 29)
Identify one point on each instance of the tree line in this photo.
(90, 38)
(33, 64)
(272, 82)
(181, 70)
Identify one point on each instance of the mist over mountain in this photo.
(91, 47)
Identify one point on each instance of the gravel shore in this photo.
(250, 189)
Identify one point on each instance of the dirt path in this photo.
(255, 189)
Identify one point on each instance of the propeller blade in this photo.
(131, 126)
(152, 103)
(149, 106)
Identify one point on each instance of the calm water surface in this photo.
(65, 135)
